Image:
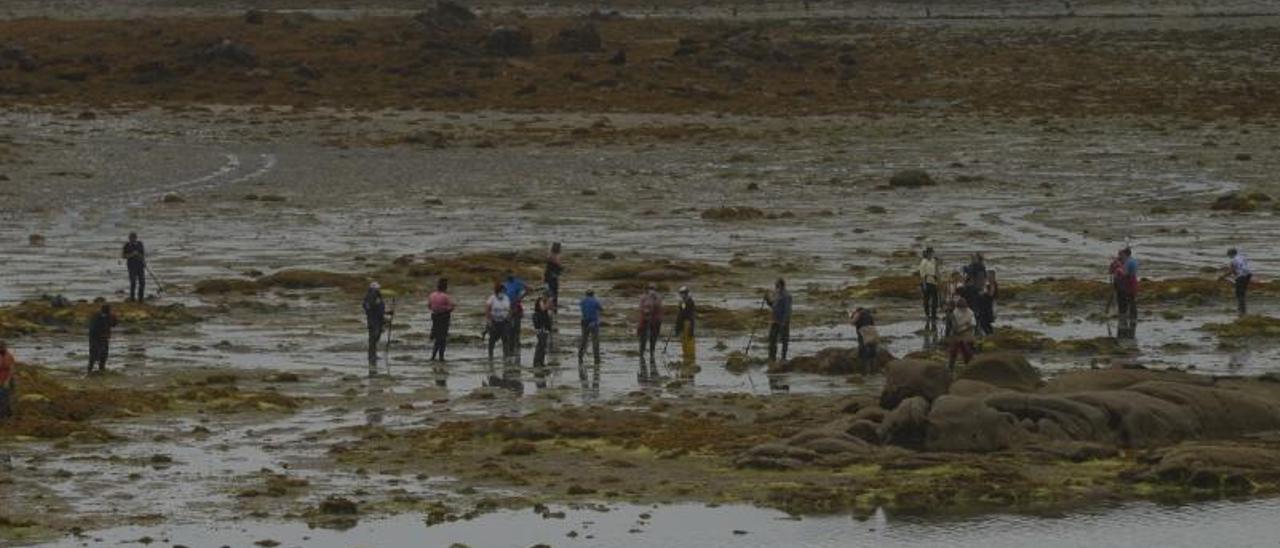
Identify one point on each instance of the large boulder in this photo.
(910, 378)
(1056, 416)
(581, 38)
(1003, 369)
(1220, 412)
(970, 388)
(1138, 420)
(963, 424)
(1116, 379)
(509, 42)
(907, 424)
(1224, 468)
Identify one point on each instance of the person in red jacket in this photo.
(8, 369)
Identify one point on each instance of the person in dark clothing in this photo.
(985, 308)
(1129, 285)
(1116, 271)
(441, 306)
(135, 256)
(542, 326)
(975, 274)
(1239, 273)
(551, 276)
(686, 320)
(864, 326)
(375, 313)
(100, 337)
(780, 324)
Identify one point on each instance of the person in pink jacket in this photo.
(441, 305)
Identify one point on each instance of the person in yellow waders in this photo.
(684, 327)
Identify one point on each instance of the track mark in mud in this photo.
(1011, 222)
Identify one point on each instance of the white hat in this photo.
(684, 289)
(375, 285)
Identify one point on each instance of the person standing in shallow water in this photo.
(686, 318)
(928, 273)
(516, 291)
(441, 306)
(135, 256)
(100, 337)
(650, 325)
(1239, 273)
(497, 312)
(375, 314)
(780, 315)
(1129, 283)
(542, 328)
(1116, 270)
(591, 310)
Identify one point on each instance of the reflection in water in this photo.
(590, 389)
(1127, 331)
(1250, 523)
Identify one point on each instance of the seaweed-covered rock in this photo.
(1003, 369)
(911, 378)
(834, 361)
(733, 213)
(911, 178)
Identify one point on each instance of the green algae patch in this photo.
(47, 408)
(224, 286)
(1246, 327)
(58, 314)
(313, 279)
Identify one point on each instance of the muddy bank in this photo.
(506, 62)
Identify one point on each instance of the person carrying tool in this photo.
(928, 274)
(1240, 274)
(8, 372)
(375, 313)
(497, 314)
(780, 319)
(441, 305)
(100, 337)
(650, 324)
(591, 309)
(135, 256)
(686, 318)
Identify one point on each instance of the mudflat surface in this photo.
(1052, 142)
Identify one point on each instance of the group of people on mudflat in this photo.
(967, 301)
